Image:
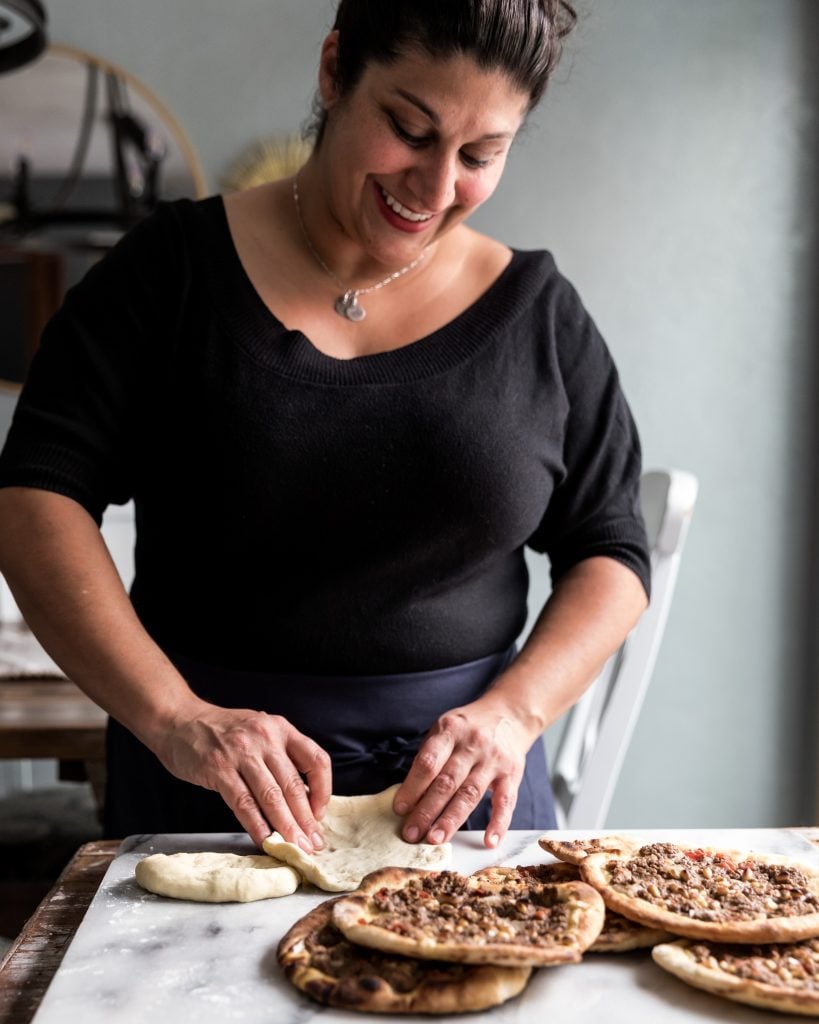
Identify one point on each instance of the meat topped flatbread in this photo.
(709, 894)
(317, 958)
(446, 916)
(574, 851)
(523, 875)
(619, 935)
(783, 977)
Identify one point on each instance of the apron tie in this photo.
(394, 754)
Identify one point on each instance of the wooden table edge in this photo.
(32, 960)
(28, 967)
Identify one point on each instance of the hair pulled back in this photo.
(522, 38)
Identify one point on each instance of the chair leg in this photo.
(95, 770)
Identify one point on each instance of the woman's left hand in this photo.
(469, 750)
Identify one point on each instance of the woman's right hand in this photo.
(68, 588)
(256, 762)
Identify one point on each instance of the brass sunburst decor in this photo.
(266, 160)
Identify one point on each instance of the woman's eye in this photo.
(405, 136)
(418, 141)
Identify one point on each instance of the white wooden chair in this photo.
(598, 728)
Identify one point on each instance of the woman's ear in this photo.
(328, 71)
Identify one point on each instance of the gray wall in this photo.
(672, 171)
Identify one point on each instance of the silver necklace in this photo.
(346, 304)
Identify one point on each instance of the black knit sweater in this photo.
(301, 513)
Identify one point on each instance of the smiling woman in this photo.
(374, 410)
(415, 149)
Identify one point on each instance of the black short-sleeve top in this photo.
(297, 512)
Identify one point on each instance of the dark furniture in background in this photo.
(31, 289)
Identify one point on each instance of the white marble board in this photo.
(141, 958)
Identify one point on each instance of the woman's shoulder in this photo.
(187, 218)
(535, 299)
(505, 270)
(160, 237)
(490, 258)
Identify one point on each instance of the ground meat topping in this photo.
(444, 906)
(793, 965)
(333, 955)
(709, 886)
(585, 845)
(617, 926)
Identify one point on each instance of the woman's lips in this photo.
(412, 227)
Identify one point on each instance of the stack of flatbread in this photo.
(415, 941)
(740, 925)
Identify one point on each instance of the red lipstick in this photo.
(411, 227)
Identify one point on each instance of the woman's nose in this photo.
(435, 181)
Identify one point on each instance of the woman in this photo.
(342, 415)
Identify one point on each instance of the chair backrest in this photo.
(598, 728)
(119, 533)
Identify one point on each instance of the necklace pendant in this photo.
(348, 307)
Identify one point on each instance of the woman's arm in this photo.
(68, 589)
(483, 745)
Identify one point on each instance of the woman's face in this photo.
(414, 148)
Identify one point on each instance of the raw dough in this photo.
(362, 834)
(216, 877)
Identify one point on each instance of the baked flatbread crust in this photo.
(775, 977)
(574, 851)
(216, 877)
(524, 874)
(619, 935)
(362, 834)
(720, 895)
(317, 958)
(442, 915)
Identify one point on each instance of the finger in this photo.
(280, 792)
(243, 804)
(266, 792)
(463, 802)
(426, 766)
(504, 798)
(440, 792)
(314, 763)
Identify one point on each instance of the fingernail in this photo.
(412, 834)
(318, 842)
(493, 839)
(304, 843)
(437, 835)
(401, 809)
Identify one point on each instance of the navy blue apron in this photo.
(371, 726)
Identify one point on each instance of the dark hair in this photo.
(524, 38)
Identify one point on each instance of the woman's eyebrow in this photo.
(411, 98)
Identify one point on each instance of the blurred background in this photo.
(673, 170)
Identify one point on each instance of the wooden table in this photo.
(52, 718)
(33, 959)
(31, 962)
